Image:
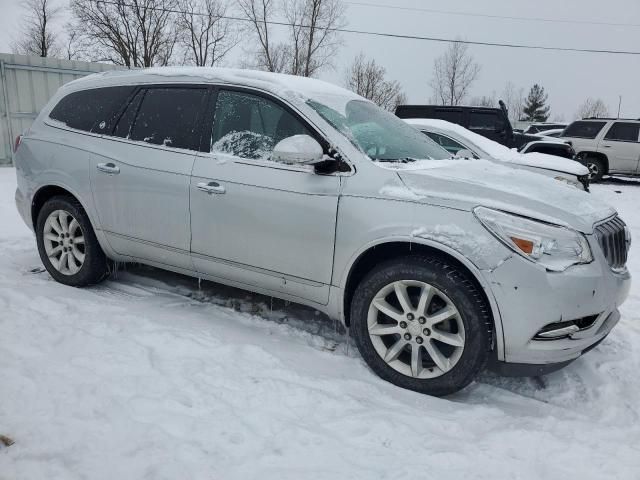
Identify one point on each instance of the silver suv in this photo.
(606, 146)
(298, 189)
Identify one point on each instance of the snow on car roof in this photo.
(278, 83)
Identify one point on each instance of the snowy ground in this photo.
(152, 376)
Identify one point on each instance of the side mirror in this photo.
(464, 154)
(298, 150)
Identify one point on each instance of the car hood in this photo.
(548, 162)
(470, 183)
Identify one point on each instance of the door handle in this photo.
(211, 187)
(109, 168)
(606, 146)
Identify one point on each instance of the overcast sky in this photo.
(569, 78)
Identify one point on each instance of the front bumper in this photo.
(531, 299)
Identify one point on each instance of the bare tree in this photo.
(592, 107)
(514, 100)
(37, 36)
(203, 33)
(453, 74)
(367, 79)
(311, 41)
(485, 101)
(132, 33)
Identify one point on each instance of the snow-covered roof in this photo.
(276, 83)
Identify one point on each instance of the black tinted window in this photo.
(168, 116)
(91, 109)
(453, 116)
(557, 150)
(125, 122)
(584, 129)
(624, 132)
(249, 126)
(485, 121)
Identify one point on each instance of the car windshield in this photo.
(378, 133)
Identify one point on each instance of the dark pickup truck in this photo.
(492, 123)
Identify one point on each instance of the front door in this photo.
(621, 146)
(140, 175)
(254, 222)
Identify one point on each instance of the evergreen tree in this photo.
(535, 108)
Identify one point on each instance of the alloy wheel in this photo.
(416, 329)
(64, 242)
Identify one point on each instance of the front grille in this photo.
(612, 238)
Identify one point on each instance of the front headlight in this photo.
(568, 181)
(555, 248)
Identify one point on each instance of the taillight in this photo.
(17, 144)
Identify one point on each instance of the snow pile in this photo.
(148, 376)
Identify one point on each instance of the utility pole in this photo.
(619, 105)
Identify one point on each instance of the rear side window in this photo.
(624, 132)
(91, 110)
(168, 116)
(249, 126)
(447, 143)
(453, 116)
(485, 121)
(584, 129)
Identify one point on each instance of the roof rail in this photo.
(612, 118)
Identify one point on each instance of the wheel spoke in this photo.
(394, 351)
(416, 360)
(55, 224)
(425, 299)
(403, 296)
(453, 339)
(78, 240)
(445, 314)
(53, 251)
(73, 226)
(64, 221)
(77, 254)
(383, 306)
(52, 236)
(438, 358)
(62, 262)
(381, 330)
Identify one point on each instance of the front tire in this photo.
(596, 169)
(421, 323)
(67, 244)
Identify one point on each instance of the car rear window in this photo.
(624, 132)
(168, 116)
(91, 110)
(584, 129)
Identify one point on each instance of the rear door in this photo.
(256, 222)
(140, 175)
(621, 145)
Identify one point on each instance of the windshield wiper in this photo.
(397, 160)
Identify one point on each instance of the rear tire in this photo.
(67, 244)
(422, 324)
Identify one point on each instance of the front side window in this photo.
(168, 116)
(445, 142)
(584, 129)
(378, 133)
(91, 110)
(250, 126)
(624, 132)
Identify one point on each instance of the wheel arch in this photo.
(584, 154)
(366, 259)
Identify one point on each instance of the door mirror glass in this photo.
(298, 150)
(464, 153)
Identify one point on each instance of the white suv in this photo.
(606, 146)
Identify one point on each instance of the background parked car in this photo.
(554, 133)
(606, 146)
(456, 139)
(492, 123)
(536, 128)
(550, 146)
